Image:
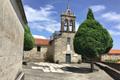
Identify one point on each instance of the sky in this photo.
(44, 15)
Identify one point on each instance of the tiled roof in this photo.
(41, 42)
(114, 52)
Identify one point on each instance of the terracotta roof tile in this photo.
(114, 52)
(41, 42)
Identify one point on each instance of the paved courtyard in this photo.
(50, 67)
(51, 71)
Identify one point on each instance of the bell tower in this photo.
(62, 41)
(68, 21)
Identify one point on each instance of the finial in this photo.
(68, 11)
(68, 5)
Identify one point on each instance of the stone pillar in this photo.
(62, 25)
(73, 26)
(67, 26)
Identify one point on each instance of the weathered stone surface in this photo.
(34, 55)
(110, 57)
(60, 49)
(11, 41)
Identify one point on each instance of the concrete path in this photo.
(51, 71)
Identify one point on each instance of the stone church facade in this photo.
(61, 49)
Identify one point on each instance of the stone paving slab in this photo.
(54, 72)
(38, 75)
(51, 67)
(46, 69)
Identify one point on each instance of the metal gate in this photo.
(68, 58)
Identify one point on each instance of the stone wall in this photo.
(61, 47)
(50, 52)
(113, 65)
(11, 41)
(34, 55)
(110, 57)
(109, 70)
(20, 14)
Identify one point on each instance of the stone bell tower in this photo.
(68, 21)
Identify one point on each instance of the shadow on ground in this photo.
(77, 70)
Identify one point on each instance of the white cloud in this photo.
(40, 37)
(42, 14)
(111, 16)
(114, 33)
(117, 26)
(46, 26)
(42, 18)
(97, 8)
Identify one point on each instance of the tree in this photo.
(28, 39)
(92, 39)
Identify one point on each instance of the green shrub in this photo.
(28, 39)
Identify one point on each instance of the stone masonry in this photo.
(11, 39)
(34, 55)
(61, 48)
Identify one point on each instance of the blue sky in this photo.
(44, 15)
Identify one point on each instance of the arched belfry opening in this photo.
(68, 21)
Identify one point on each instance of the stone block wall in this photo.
(34, 55)
(50, 52)
(110, 57)
(113, 65)
(11, 41)
(61, 48)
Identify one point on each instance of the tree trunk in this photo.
(92, 66)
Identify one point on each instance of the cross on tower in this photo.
(68, 20)
(68, 5)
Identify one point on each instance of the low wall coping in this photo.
(104, 65)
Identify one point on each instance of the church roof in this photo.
(20, 6)
(114, 52)
(41, 42)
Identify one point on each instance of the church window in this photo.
(68, 40)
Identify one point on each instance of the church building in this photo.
(61, 49)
